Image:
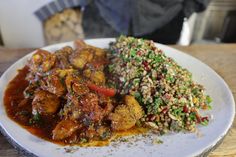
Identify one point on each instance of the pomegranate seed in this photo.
(164, 110)
(204, 118)
(139, 53)
(185, 109)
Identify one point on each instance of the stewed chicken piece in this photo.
(96, 76)
(76, 85)
(42, 61)
(81, 57)
(63, 57)
(125, 116)
(53, 84)
(89, 104)
(64, 129)
(45, 103)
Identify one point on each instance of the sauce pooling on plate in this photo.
(19, 109)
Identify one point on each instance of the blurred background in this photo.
(36, 23)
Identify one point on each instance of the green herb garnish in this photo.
(208, 100)
(204, 122)
(83, 140)
(36, 119)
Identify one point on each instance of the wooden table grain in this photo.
(220, 57)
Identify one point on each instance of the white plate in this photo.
(177, 144)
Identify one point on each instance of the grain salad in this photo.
(166, 91)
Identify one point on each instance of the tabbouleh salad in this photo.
(166, 91)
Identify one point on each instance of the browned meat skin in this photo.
(98, 77)
(96, 108)
(65, 72)
(42, 61)
(90, 105)
(122, 119)
(80, 44)
(99, 52)
(63, 57)
(81, 57)
(106, 103)
(80, 88)
(45, 103)
(64, 129)
(71, 109)
(125, 116)
(87, 72)
(53, 84)
(76, 85)
(134, 106)
(86, 54)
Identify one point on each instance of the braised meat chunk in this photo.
(76, 85)
(42, 61)
(45, 103)
(90, 105)
(53, 84)
(134, 107)
(98, 77)
(80, 44)
(125, 116)
(62, 56)
(64, 129)
(80, 57)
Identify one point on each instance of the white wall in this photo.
(19, 26)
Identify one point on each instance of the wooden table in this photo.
(221, 58)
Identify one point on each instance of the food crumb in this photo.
(124, 140)
(70, 150)
(157, 141)
(198, 133)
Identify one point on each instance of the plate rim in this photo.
(204, 152)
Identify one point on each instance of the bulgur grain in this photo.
(163, 88)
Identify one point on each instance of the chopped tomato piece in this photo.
(185, 109)
(102, 90)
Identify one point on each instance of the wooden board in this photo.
(220, 57)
